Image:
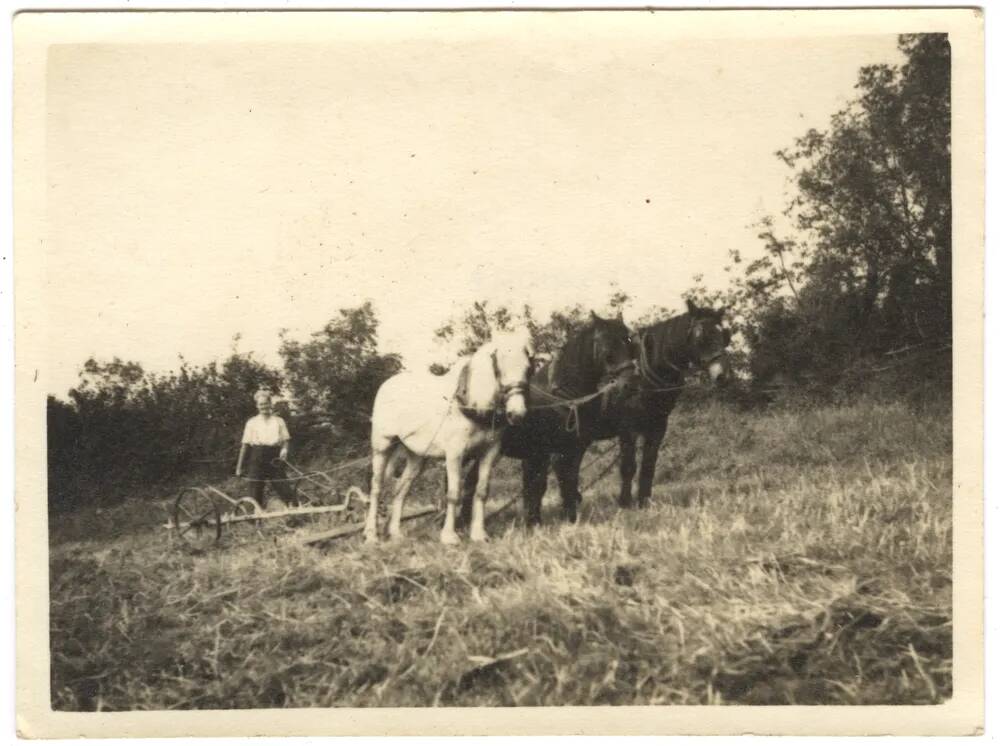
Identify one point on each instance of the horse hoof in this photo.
(371, 539)
(626, 504)
(449, 537)
(478, 536)
(395, 536)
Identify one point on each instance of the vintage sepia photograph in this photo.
(618, 362)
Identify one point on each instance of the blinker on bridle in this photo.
(703, 362)
(706, 360)
(621, 367)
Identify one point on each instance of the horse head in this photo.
(513, 357)
(612, 361)
(707, 340)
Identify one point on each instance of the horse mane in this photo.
(666, 341)
(482, 386)
(477, 385)
(573, 369)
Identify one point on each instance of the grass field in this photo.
(789, 557)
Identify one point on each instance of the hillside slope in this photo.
(788, 557)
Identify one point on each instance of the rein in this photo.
(573, 416)
(560, 401)
(573, 404)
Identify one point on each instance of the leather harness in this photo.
(500, 399)
(647, 367)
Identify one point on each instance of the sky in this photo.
(198, 191)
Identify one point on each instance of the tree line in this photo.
(864, 273)
(124, 430)
(854, 280)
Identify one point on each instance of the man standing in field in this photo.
(263, 450)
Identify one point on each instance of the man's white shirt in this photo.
(265, 431)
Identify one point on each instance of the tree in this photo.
(475, 327)
(874, 196)
(124, 429)
(334, 376)
(870, 270)
(550, 335)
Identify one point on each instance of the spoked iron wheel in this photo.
(197, 518)
(243, 525)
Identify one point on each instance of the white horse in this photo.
(462, 413)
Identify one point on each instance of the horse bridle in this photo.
(645, 367)
(705, 362)
(618, 369)
(500, 400)
(507, 390)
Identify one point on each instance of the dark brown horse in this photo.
(571, 398)
(665, 352)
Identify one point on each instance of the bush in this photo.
(125, 430)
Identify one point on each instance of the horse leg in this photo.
(626, 468)
(380, 458)
(650, 451)
(414, 466)
(468, 490)
(453, 463)
(534, 475)
(567, 468)
(485, 467)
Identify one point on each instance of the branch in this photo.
(788, 278)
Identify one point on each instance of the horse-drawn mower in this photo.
(200, 513)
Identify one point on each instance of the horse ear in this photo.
(594, 316)
(692, 308)
(620, 317)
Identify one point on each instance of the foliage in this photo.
(473, 327)
(334, 376)
(870, 269)
(550, 335)
(125, 429)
